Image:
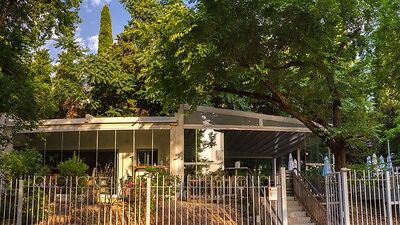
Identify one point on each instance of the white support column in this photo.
(222, 145)
(152, 148)
(118, 173)
(148, 200)
(344, 197)
(195, 152)
(20, 201)
(298, 159)
(62, 146)
(97, 151)
(388, 199)
(176, 160)
(327, 198)
(133, 152)
(283, 202)
(79, 144)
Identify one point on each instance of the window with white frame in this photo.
(147, 157)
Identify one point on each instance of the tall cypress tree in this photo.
(105, 35)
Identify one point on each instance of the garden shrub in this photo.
(313, 173)
(359, 167)
(19, 163)
(156, 170)
(73, 167)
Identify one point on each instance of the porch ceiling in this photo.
(261, 144)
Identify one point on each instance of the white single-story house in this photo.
(130, 143)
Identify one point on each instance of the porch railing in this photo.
(309, 197)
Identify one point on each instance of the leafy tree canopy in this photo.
(73, 167)
(310, 59)
(24, 26)
(69, 86)
(112, 88)
(105, 35)
(42, 70)
(19, 163)
(386, 42)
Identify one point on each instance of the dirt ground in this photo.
(183, 213)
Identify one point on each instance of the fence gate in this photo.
(157, 199)
(363, 198)
(336, 194)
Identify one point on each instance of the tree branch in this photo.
(336, 101)
(353, 137)
(321, 122)
(245, 93)
(279, 100)
(295, 63)
(285, 105)
(7, 11)
(344, 44)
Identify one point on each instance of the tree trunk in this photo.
(338, 148)
(340, 160)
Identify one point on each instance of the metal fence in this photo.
(144, 200)
(363, 197)
(310, 197)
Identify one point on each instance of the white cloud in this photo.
(80, 42)
(92, 43)
(78, 31)
(88, 5)
(78, 39)
(88, 10)
(49, 44)
(99, 2)
(54, 36)
(95, 2)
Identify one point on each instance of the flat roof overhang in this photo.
(225, 119)
(248, 128)
(248, 134)
(90, 123)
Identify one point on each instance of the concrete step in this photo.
(299, 220)
(302, 218)
(297, 214)
(301, 223)
(290, 198)
(293, 203)
(293, 208)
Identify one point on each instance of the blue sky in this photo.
(88, 29)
